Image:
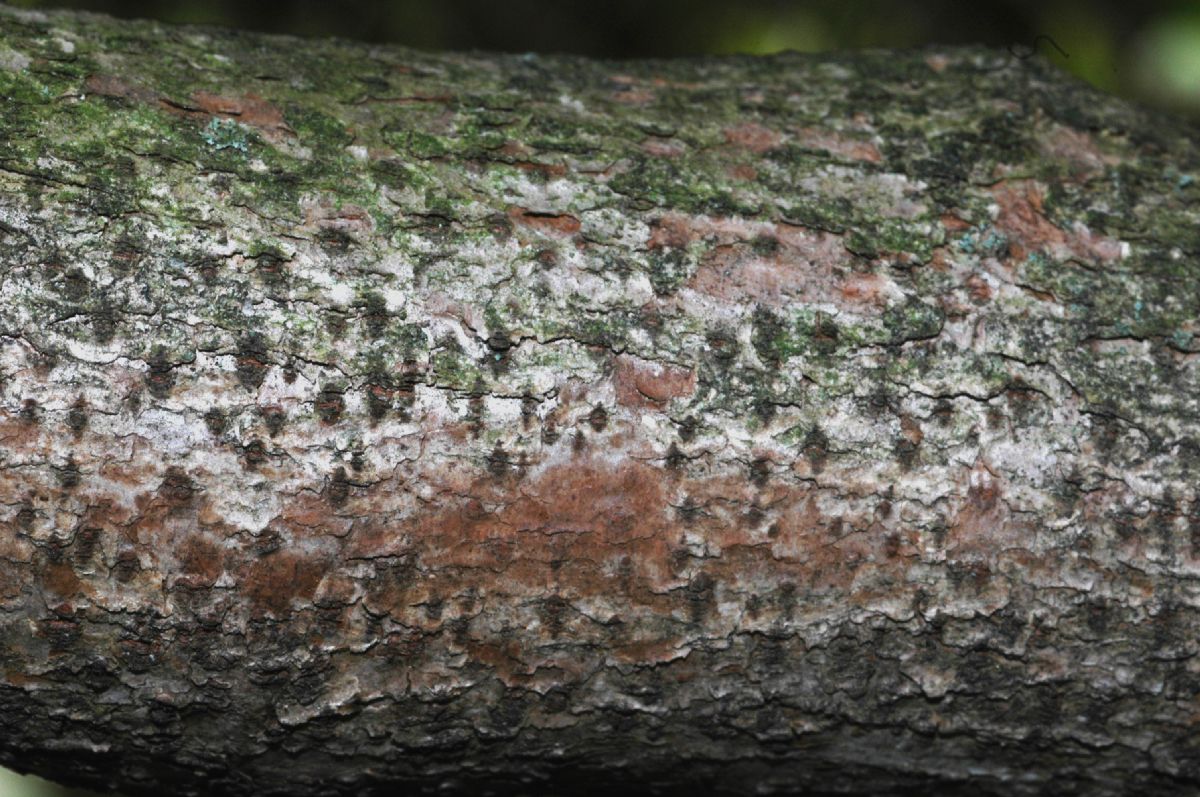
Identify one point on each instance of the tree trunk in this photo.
(498, 423)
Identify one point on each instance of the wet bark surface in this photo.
(517, 424)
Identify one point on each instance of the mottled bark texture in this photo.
(519, 423)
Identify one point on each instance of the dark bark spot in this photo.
(177, 487)
(906, 453)
(161, 377)
(252, 361)
(25, 516)
(254, 452)
(825, 334)
(379, 395)
(675, 457)
(767, 331)
(549, 432)
(334, 240)
(688, 511)
(87, 539)
(75, 285)
(273, 416)
(272, 583)
(498, 464)
(598, 419)
(724, 346)
(77, 417)
(578, 443)
(375, 314)
(700, 597)
(764, 410)
(136, 656)
(1194, 529)
(126, 567)
(271, 267)
(552, 612)
(104, 322)
(30, 411)
(59, 633)
(760, 471)
(528, 410)
(68, 474)
(330, 404)
(816, 449)
(216, 421)
(339, 487)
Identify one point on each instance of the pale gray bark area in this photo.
(375, 419)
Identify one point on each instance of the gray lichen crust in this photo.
(372, 417)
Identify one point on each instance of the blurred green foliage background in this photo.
(1148, 51)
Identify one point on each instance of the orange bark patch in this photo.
(200, 563)
(662, 148)
(323, 214)
(742, 171)
(800, 269)
(1023, 221)
(753, 137)
(864, 289)
(838, 144)
(250, 109)
(978, 289)
(111, 86)
(952, 223)
(545, 223)
(274, 581)
(984, 525)
(642, 383)
(1077, 149)
(771, 264)
(61, 580)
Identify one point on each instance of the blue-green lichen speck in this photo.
(985, 241)
(225, 134)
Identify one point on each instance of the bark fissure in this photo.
(511, 424)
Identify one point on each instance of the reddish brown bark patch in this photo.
(200, 563)
(643, 383)
(274, 581)
(250, 110)
(836, 143)
(752, 137)
(1023, 220)
(663, 148)
(118, 88)
(1077, 150)
(562, 224)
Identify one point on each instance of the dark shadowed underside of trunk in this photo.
(462, 421)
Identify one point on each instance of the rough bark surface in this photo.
(512, 423)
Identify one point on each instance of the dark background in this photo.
(1147, 50)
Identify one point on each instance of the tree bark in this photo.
(499, 423)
